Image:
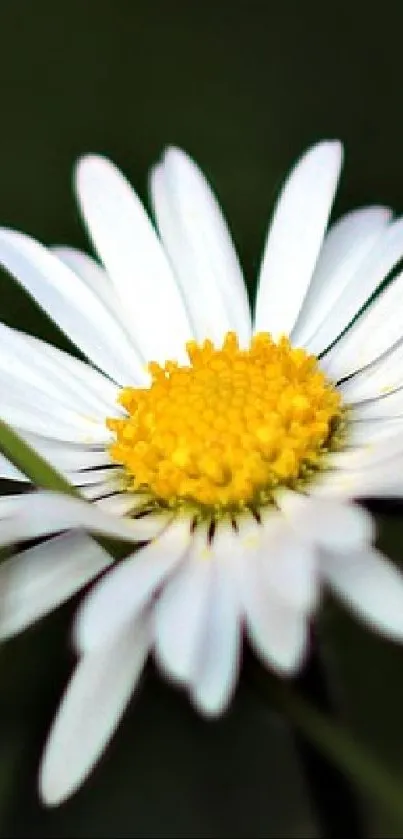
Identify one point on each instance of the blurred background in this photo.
(244, 87)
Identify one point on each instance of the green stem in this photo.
(352, 759)
(334, 742)
(333, 797)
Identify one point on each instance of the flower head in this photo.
(221, 434)
(228, 449)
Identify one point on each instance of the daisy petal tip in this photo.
(372, 586)
(289, 661)
(212, 706)
(88, 635)
(210, 712)
(179, 162)
(286, 662)
(332, 148)
(176, 677)
(388, 623)
(89, 166)
(325, 156)
(288, 667)
(84, 162)
(174, 153)
(51, 792)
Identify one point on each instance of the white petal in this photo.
(378, 452)
(89, 383)
(217, 672)
(204, 304)
(72, 305)
(88, 716)
(383, 480)
(365, 432)
(49, 393)
(380, 378)
(108, 477)
(95, 276)
(37, 580)
(23, 404)
(26, 365)
(29, 362)
(345, 247)
(386, 407)
(329, 524)
(42, 513)
(33, 424)
(10, 472)
(68, 456)
(196, 233)
(35, 419)
(295, 238)
(9, 504)
(94, 491)
(289, 565)
(134, 259)
(180, 613)
(388, 250)
(277, 631)
(357, 483)
(372, 586)
(378, 486)
(123, 504)
(121, 595)
(87, 268)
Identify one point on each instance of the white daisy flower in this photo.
(229, 452)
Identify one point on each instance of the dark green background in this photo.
(244, 87)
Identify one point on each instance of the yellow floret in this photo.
(229, 427)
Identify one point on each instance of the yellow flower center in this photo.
(224, 431)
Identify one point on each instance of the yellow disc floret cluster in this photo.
(224, 431)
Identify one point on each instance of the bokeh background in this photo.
(245, 87)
